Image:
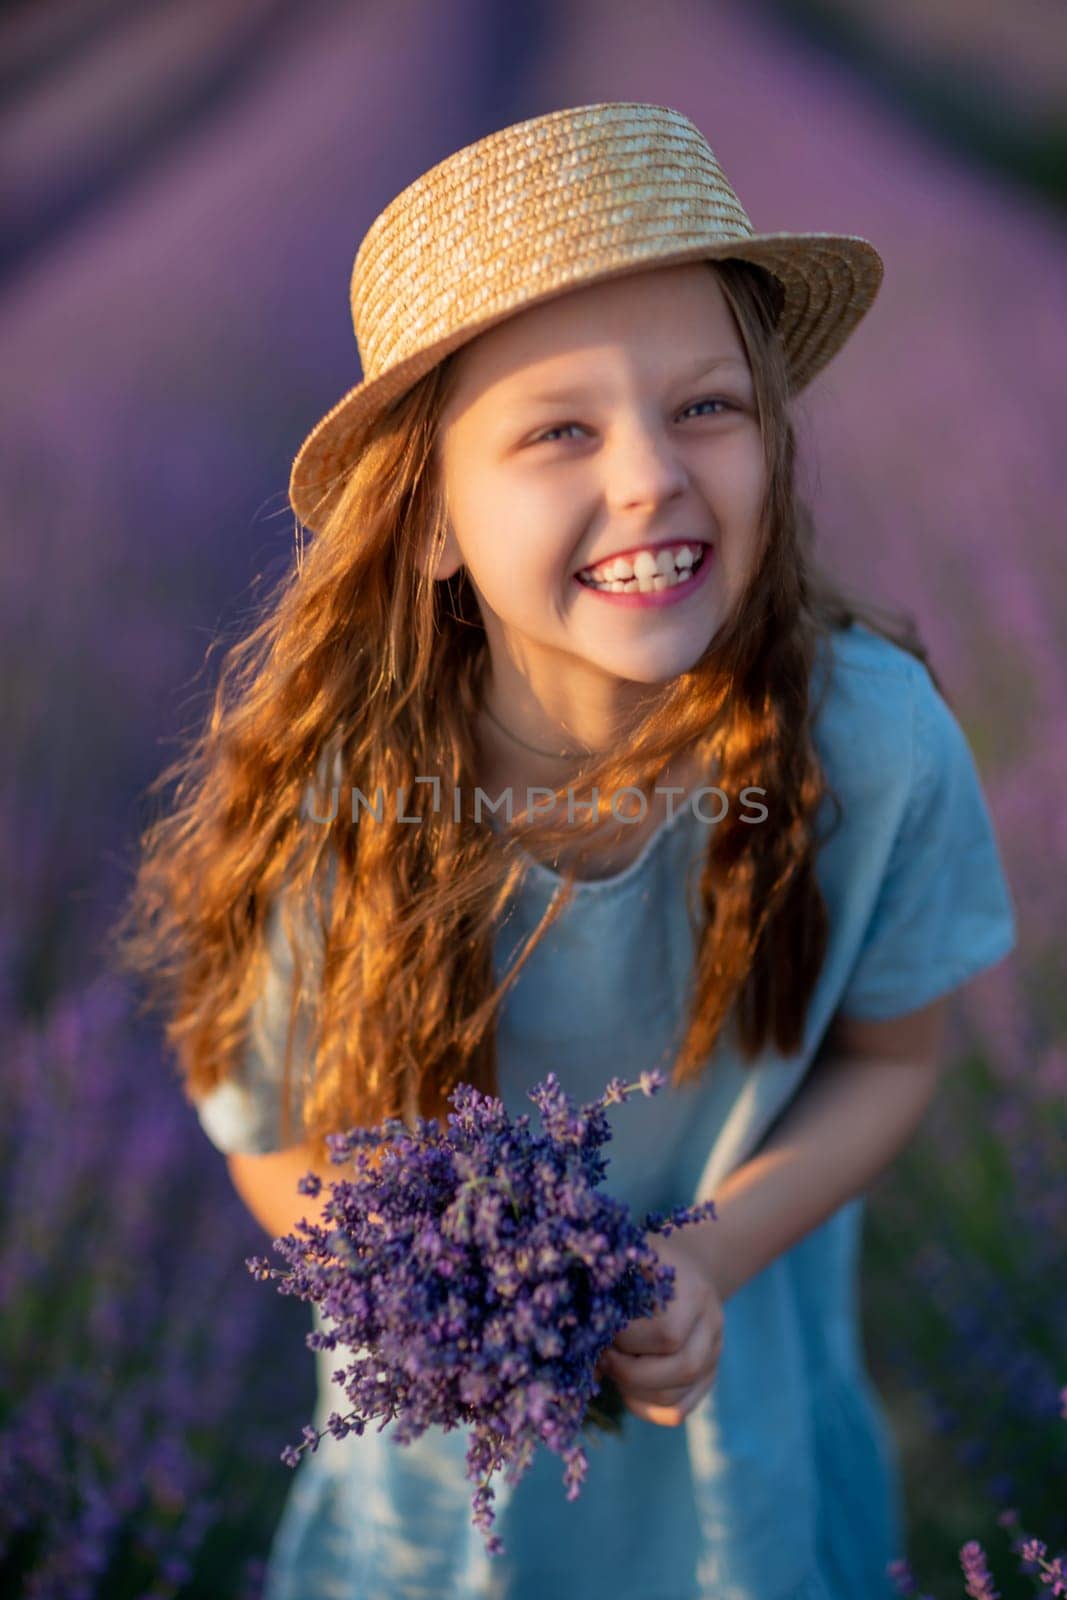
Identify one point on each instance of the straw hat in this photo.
(549, 205)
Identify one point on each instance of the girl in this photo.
(557, 752)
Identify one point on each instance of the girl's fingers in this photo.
(670, 1415)
(661, 1379)
(643, 1376)
(663, 1398)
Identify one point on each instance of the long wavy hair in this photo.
(365, 665)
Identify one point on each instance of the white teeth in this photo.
(646, 573)
(645, 564)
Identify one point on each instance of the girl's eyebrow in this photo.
(579, 391)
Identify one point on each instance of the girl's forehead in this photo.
(654, 320)
(659, 298)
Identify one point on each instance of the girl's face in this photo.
(616, 417)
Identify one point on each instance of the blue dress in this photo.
(783, 1483)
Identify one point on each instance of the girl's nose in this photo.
(644, 467)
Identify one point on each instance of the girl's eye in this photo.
(710, 401)
(562, 427)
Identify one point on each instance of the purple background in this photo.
(183, 189)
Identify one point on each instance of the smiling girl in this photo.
(559, 563)
(654, 495)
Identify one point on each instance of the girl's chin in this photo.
(651, 666)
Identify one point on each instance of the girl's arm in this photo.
(862, 1100)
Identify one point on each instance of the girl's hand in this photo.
(665, 1364)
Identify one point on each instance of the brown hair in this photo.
(366, 661)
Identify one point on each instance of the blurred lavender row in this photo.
(136, 1427)
(187, 187)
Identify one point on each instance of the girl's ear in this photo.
(448, 562)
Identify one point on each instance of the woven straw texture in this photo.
(546, 206)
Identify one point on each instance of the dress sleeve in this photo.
(244, 1114)
(943, 912)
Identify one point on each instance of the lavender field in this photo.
(184, 189)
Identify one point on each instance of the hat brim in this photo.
(830, 281)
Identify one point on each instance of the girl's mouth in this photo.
(657, 590)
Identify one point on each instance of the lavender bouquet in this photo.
(476, 1275)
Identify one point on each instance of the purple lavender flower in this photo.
(1033, 1553)
(902, 1577)
(490, 1280)
(976, 1571)
(1056, 1577)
